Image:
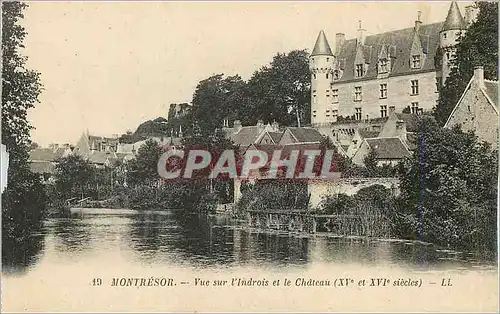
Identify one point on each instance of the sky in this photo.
(108, 66)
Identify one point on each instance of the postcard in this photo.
(288, 156)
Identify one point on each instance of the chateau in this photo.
(365, 77)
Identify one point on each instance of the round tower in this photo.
(453, 27)
(321, 65)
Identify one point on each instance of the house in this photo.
(388, 150)
(245, 136)
(270, 138)
(477, 109)
(366, 75)
(88, 144)
(295, 135)
(357, 140)
(43, 161)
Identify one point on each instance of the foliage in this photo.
(449, 189)
(144, 168)
(372, 210)
(281, 91)
(478, 47)
(279, 194)
(215, 99)
(73, 177)
(23, 201)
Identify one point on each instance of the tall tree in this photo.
(478, 47)
(449, 189)
(281, 91)
(24, 199)
(73, 176)
(144, 168)
(216, 99)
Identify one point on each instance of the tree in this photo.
(281, 91)
(215, 99)
(478, 47)
(449, 189)
(23, 201)
(73, 177)
(144, 168)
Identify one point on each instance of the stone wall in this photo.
(349, 186)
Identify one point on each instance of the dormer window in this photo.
(360, 71)
(415, 62)
(383, 66)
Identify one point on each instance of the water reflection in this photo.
(71, 236)
(22, 250)
(206, 241)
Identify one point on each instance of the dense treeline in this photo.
(478, 47)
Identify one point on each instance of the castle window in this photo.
(335, 112)
(444, 35)
(383, 111)
(314, 75)
(383, 66)
(358, 114)
(326, 75)
(327, 59)
(315, 99)
(360, 70)
(415, 62)
(357, 93)
(336, 75)
(414, 108)
(335, 95)
(414, 87)
(383, 91)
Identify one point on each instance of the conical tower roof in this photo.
(322, 47)
(454, 20)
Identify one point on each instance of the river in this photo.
(54, 268)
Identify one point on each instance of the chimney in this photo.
(418, 22)
(236, 126)
(479, 77)
(260, 124)
(361, 35)
(276, 126)
(401, 130)
(339, 42)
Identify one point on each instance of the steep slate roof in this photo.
(454, 20)
(388, 147)
(322, 47)
(367, 134)
(275, 136)
(305, 135)
(42, 154)
(100, 157)
(42, 167)
(247, 135)
(492, 91)
(398, 44)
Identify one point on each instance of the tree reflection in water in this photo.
(22, 249)
(72, 236)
